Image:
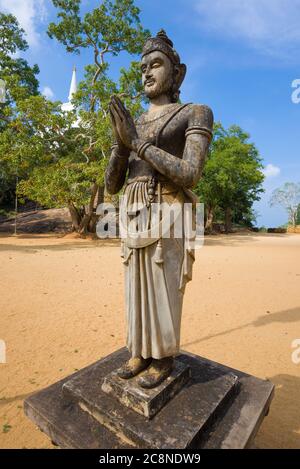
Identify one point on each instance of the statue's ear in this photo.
(180, 74)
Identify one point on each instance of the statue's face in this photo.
(157, 74)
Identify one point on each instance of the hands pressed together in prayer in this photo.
(123, 124)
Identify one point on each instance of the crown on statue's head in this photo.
(161, 43)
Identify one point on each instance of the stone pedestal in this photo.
(201, 405)
(146, 402)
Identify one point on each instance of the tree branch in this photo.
(100, 65)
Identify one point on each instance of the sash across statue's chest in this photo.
(166, 132)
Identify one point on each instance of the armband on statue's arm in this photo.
(116, 170)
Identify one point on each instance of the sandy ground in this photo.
(61, 308)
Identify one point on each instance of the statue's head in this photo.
(162, 72)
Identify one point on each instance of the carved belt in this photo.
(153, 183)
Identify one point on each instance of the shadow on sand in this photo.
(238, 239)
(63, 245)
(288, 315)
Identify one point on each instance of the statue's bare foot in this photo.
(156, 373)
(133, 367)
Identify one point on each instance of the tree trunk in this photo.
(75, 216)
(209, 219)
(84, 221)
(228, 220)
(99, 198)
(100, 195)
(88, 211)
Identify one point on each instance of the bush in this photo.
(277, 230)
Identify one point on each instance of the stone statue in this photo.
(162, 154)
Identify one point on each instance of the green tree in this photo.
(298, 216)
(20, 79)
(288, 197)
(60, 157)
(76, 178)
(232, 177)
(20, 82)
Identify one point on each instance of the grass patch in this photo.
(6, 427)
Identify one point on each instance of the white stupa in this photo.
(69, 106)
(73, 89)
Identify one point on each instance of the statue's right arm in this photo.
(116, 170)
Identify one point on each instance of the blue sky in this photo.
(242, 57)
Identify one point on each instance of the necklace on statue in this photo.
(149, 121)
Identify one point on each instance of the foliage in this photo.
(60, 157)
(232, 177)
(20, 82)
(288, 197)
(298, 216)
(77, 145)
(19, 77)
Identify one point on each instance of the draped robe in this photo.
(156, 270)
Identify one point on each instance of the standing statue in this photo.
(162, 154)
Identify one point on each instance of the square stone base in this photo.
(217, 408)
(146, 402)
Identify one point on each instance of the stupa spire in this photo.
(73, 87)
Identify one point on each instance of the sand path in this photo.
(61, 308)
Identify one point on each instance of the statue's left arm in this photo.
(187, 171)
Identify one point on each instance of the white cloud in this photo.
(272, 26)
(47, 92)
(271, 171)
(29, 13)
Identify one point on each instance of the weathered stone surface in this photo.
(177, 425)
(232, 423)
(146, 402)
(156, 162)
